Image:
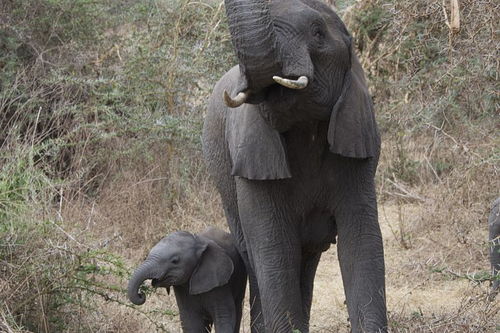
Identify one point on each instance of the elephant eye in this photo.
(175, 260)
(318, 32)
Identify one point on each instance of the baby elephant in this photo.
(207, 274)
(494, 226)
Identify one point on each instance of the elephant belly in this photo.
(318, 231)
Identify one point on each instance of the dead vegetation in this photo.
(101, 108)
(433, 73)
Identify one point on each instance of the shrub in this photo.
(96, 101)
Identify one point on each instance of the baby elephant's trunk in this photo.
(142, 273)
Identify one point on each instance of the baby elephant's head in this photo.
(182, 258)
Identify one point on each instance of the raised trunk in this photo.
(142, 273)
(254, 39)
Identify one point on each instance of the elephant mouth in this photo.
(163, 281)
(156, 283)
(255, 97)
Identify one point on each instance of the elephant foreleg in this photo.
(279, 288)
(195, 324)
(361, 260)
(275, 255)
(359, 244)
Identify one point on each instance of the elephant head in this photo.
(182, 258)
(297, 64)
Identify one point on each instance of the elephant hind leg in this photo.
(256, 318)
(310, 263)
(207, 324)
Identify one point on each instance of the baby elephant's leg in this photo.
(224, 311)
(196, 324)
(193, 317)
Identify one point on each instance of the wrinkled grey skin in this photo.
(295, 168)
(207, 274)
(494, 228)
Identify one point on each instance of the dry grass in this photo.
(436, 97)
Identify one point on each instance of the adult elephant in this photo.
(291, 142)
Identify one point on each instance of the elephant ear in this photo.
(257, 150)
(352, 131)
(214, 269)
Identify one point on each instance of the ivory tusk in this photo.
(237, 101)
(300, 83)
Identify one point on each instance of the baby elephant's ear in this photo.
(214, 268)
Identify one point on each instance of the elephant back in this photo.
(224, 240)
